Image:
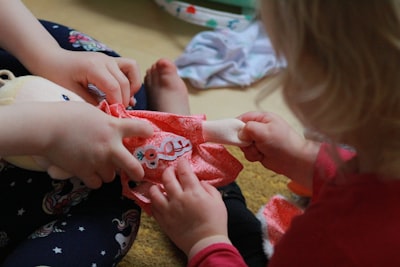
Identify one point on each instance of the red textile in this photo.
(353, 221)
(217, 255)
(175, 136)
(276, 217)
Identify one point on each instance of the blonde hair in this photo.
(342, 56)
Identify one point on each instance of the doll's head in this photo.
(28, 89)
(31, 88)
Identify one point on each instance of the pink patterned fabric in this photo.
(175, 136)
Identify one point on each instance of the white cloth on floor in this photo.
(224, 58)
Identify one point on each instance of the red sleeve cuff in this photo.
(219, 254)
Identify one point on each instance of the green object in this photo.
(213, 13)
(239, 3)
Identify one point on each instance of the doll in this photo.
(26, 89)
(175, 136)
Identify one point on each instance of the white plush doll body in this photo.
(31, 89)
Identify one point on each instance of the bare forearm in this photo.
(26, 129)
(23, 35)
(303, 167)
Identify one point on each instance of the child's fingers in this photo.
(263, 117)
(132, 127)
(113, 83)
(108, 84)
(158, 199)
(252, 154)
(124, 160)
(106, 172)
(92, 181)
(58, 173)
(210, 189)
(256, 131)
(171, 183)
(123, 89)
(187, 177)
(131, 70)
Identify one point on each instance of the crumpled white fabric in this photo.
(226, 58)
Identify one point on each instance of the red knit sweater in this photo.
(353, 220)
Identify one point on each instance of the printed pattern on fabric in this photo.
(175, 136)
(128, 222)
(171, 148)
(40, 214)
(207, 17)
(63, 223)
(65, 195)
(78, 39)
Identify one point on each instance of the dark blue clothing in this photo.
(63, 223)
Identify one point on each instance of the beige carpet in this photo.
(152, 248)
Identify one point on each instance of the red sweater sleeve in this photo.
(326, 166)
(215, 255)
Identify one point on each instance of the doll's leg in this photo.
(166, 91)
(244, 229)
(100, 231)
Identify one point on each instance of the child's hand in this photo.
(278, 146)
(191, 213)
(118, 78)
(87, 143)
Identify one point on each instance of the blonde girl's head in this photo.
(343, 63)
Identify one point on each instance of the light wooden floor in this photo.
(140, 30)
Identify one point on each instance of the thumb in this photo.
(54, 171)
(58, 173)
(254, 131)
(136, 127)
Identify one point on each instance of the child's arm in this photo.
(22, 35)
(74, 136)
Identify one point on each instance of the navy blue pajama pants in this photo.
(63, 223)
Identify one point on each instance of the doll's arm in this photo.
(225, 131)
